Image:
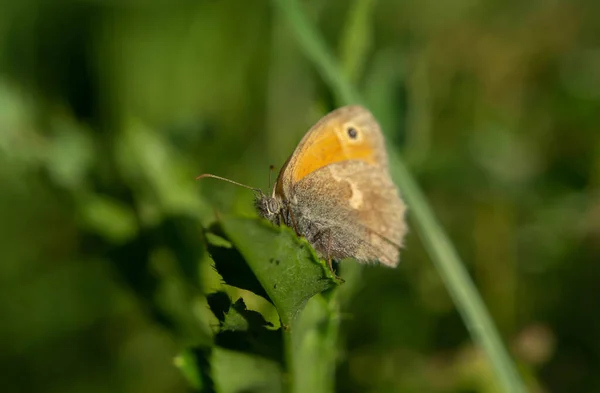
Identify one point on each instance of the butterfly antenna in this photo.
(229, 181)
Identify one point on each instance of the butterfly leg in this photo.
(329, 259)
(293, 219)
(329, 262)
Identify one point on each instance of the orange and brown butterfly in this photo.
(336, 191)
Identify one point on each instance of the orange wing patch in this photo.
(328, 148)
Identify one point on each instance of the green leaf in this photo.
(193, 364)
(219, 303)
(240, 318)
(230, 264)
(247, 331)
(286, 266)
(236, 372)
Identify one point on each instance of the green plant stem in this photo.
(460, 286)
(317, 52)
(310, 346)
(356, 39)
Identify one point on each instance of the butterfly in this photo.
(336, 191)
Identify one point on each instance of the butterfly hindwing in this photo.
(351, 209)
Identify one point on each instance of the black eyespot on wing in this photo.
(352, 132)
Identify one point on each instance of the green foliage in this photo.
(112, 277)
(272, 262)
(287, 268)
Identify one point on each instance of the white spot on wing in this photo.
(356, 200)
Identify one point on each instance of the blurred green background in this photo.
(109, 109)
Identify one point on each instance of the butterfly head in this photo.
(268, 207)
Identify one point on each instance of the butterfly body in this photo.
(336, 191)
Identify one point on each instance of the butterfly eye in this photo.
(352, 133)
